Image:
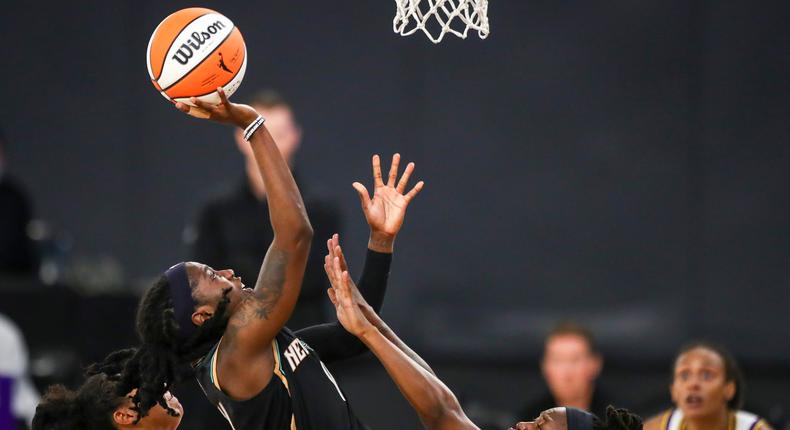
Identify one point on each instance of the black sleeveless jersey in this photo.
(302, 394)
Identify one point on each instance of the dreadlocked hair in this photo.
(163, 359)
(618, 419)
(89, 407)
(112, 365)
(732, 372)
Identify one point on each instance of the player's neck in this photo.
(716, 421)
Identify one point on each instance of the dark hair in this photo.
(164, 359)
(618, 419)
(732, 373)
(89, 407)
(575, 329)
(268, 99)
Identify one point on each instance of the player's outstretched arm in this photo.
(384, 214)
(267, 308)
(434, 403)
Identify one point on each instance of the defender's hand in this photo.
(386, 210)
(342, 294)
(334, 250)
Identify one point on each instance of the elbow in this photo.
(303, 235)
(296, 239)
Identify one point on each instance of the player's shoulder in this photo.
(745, 420)
(658, 421)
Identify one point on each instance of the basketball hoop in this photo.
(439, 17)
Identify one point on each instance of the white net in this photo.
(439, 17)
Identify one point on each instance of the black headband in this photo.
(578, 419)
(181, 295)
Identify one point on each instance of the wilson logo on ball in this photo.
(185, 52)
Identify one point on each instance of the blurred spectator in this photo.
(14, 379)
(570, 365)
(707, 391)
(17, 254)
(233, 229)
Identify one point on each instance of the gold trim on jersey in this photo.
(665, 419)
(278, 370)
(730, 422)
(214, 377)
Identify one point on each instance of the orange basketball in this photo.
(194, 51)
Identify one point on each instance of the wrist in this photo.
(381, 242)
(246, 119)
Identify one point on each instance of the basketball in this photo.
(194, 51)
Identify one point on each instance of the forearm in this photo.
(286, 209)
(390, 335)
(374, 278)
(435, 404)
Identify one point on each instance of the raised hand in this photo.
(344, 294)
(225, 112)
(386, 210)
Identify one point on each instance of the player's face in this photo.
(570, 368)
(699, 386)
(213, 283)
(157, 417)
(550, 419)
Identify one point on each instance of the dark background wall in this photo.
(623, 163)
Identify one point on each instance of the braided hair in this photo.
(732, 372)
(163, 358)
(89, 407)
(618, 419)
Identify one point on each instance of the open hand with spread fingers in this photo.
(225, 112)
(386, 210)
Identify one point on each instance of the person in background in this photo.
(570, 365)
(232, 229)
(707, 393)
(17, 256)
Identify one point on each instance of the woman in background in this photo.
(707, 391)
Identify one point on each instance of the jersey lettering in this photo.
(295, 354)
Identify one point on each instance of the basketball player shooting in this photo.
(255, 371)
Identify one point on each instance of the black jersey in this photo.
(302, 393)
